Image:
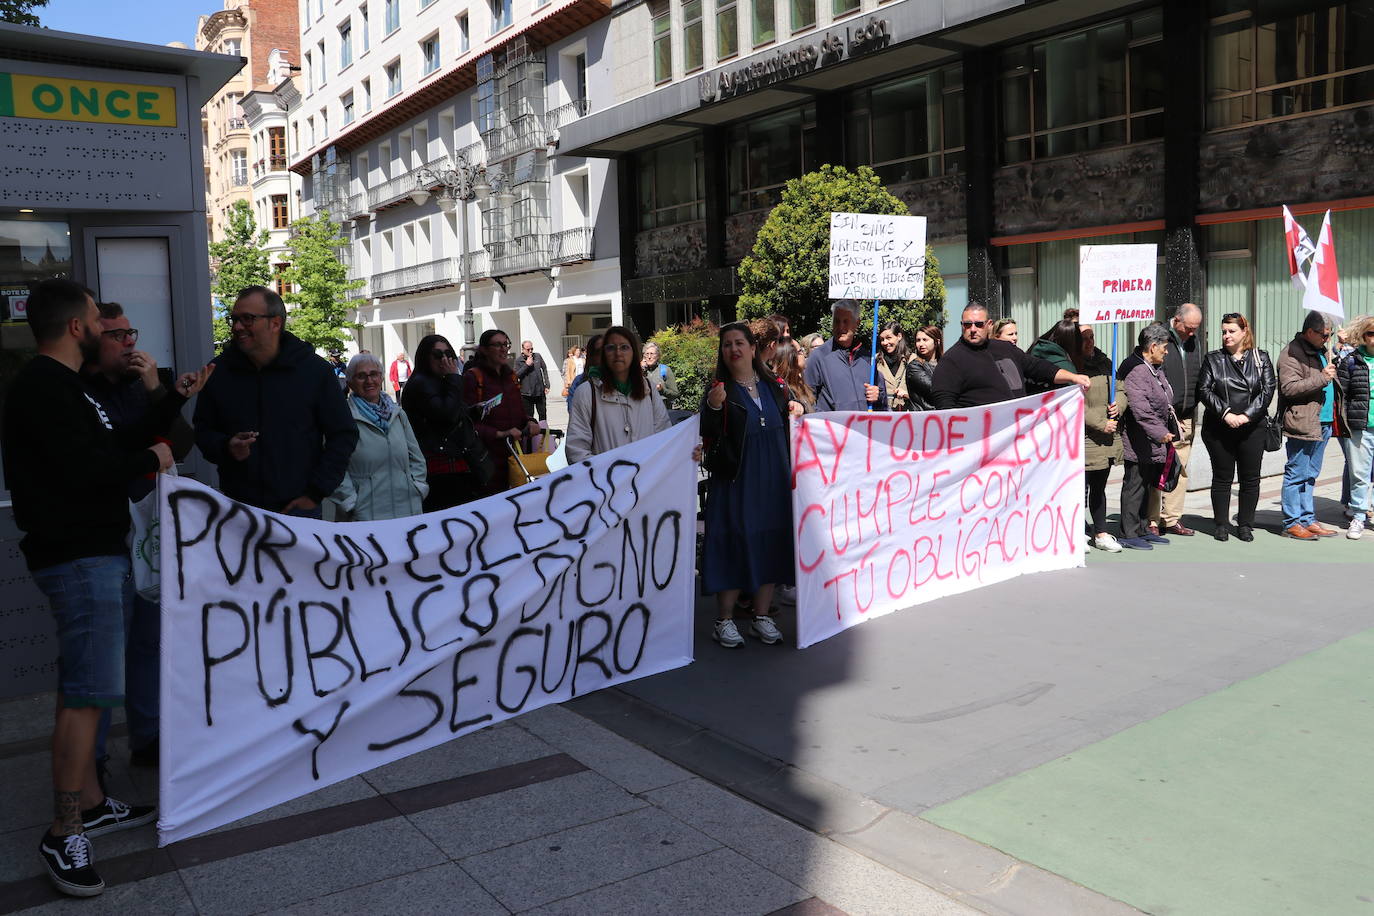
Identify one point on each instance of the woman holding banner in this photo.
(616, 407)
(1236, 385)
(1102, 438)
(748, 500)
(1062, 347)
(386, 476)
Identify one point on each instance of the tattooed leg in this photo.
(73, 754)
(66, 813)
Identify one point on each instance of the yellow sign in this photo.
(50, 98)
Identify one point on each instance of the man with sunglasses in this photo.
(1307, 404)
(273, 417)
(978, 370)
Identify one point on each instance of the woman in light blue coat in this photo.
(386, 475)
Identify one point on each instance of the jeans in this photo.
(90, 599)
(142, 676)
(1300, 478)
(1361, 460)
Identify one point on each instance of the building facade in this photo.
(264, 33)
(1021, 130)
(431, 132)
(274, 189)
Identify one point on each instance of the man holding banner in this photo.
(978, 371)
(839, 370)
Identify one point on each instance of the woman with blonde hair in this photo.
(1356, 419)
(1004, 329)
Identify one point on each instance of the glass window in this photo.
(765, 153)
(803, 14)
(393, 78)
(909, 128)
(659, 11)
(322, 62)
(393, 17)
(362, 26)
(765, 22)
(692, 58)
(309, 73)
(276, 145)
(347, 103)
(279, 214)
(500, 14)
(843, 7)
(233, 47)
(238, 167)
(672, 188)
(464, 41)
(345, 45)
(429, 53)
(367, 95)
(727, 29)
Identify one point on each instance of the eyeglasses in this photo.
(500, 345)
(617, 348)
(121, 334)
(364, 376)
(247, 319)
(972, 324)
(443, 354)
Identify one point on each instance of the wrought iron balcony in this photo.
(397, 187)
(479, 264)
(362, 293)
(519, 255)
(416, 277)
(563, 114)
(572, 245)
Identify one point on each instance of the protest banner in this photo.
(875, 256)
(297, 653)
(896, 509)
(1116, 283)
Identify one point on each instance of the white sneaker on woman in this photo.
(766, 630)
(727, 634)
(1356, 529)
(1105, 541)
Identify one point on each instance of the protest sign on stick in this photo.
(896, 509)
(875, 256)
(1116, 283)
(298, 653)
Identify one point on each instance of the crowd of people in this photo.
(91, 420)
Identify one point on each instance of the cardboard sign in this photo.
(873, 256)
(1116, 283)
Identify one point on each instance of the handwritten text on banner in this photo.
(1116, 283)
(873, 256)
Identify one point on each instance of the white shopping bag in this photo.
(145, 544)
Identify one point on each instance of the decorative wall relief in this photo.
(940, 200)
(740, 231)
(1123, 185)
(1322, 157)
(670, 249)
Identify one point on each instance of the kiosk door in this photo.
(132, 265)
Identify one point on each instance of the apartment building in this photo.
(273, 188)
(1021, 130)
(431, 131)
(254, 30)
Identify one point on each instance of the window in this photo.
(319, 9)
(276, 148)
(1267, 61)
(844, 7)
(500, 14)
(320, 59)
(1092, 89)
(765, 22)
(367, 94)
(283, 288)
(727, 29)
(580, 71)
(324, 123)
(362, 27)
(310, 131)
(484, 101)
(429, 52)
(347, 103)
(345, 45)
(803, 14)
(393, 78)
(672, 188)
(233, 47)
(309, 73)
(765, 153)
(280, 220)
(691, 35)
(660, 14)
(393, 17)
(464, 39)
(238, 167)
(910, 128)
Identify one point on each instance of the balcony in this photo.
(563, 114)
(571, 246)
(479, 264)
(521, 135)
(268, 165)
(233, 124)
(522, 254)
(394, 189)
(417, 277)
(362, 293)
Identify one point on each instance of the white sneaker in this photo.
(1107, 542)
(786, 594)
(1356, 529)
(766, 630)
(727, 634)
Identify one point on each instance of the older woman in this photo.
(1004, 329)
(660, 375)
(386, 476)
(1149, 428)
(1236, 386)
(928, 346)
(457, 466)
(617, 405)
(894, 358)
(490, 374)
(1102, 437)
(748, 501)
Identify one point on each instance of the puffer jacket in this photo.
(1147, 421)
(1352, 377)
(1101, 449)
(1239, 387)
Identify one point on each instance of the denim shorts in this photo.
(91, 599)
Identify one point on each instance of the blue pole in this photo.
(873, 357)
(1111, 379)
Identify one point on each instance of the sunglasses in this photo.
(1231, 316)
(973, 324)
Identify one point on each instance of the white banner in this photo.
(896, 509)
(1116, 283)
(297, 653)
(875, 256)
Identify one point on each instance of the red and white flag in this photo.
(1299, 246)
(1323, 280)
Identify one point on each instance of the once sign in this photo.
(1116, 283)
(47, 98)
(874, 256)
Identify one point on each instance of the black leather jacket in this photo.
(1239, 387)
(920, 382)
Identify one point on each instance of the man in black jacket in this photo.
(1182, 364)
(534, 381)
(273, 418)
(978, 370)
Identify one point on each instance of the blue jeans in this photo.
(142, 676)
(1300, 478)
(90, 598)
(1361, 461)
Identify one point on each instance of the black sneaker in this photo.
(112, 814)
(70, 864)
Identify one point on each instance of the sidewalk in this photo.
(547, 813)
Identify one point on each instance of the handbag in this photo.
(145, 544)
(461, 443)
(1273, 433)
(1170, 471)
(522, 466)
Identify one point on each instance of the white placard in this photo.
(892, 510)
(1116, 283)
(298, 653)
(873, 256)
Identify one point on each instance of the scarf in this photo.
(379, 414)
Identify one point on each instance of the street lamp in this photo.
(464, 181)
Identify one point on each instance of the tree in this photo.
(690, 349)
(237, 261)
(17, 11)
(319, 283)
(789, 268)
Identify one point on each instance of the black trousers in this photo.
(1234, 452)
(1136, 485)
(538, 403)
(449, 490)
(1095, 491)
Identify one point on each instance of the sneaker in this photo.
(786, 594)
(1156, 539)
(1356, 529)
(70, 864)
(1136, 543)
(112, 814)
(766, 630)
(1106, 542)
(727, 634)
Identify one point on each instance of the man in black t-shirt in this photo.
(978, 371)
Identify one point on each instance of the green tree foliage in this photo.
(690, 349)
(320, 284)
(789, 269)
(18, 11)
(237, 261)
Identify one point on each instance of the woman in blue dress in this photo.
(744, 421)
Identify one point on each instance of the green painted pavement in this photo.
(1253, 800)
(1267, 547)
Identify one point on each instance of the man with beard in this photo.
(978, 370)
(68, 474)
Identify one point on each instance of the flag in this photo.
(1323, 281)
(1299, 247)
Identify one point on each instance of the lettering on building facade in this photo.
(866, 38)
